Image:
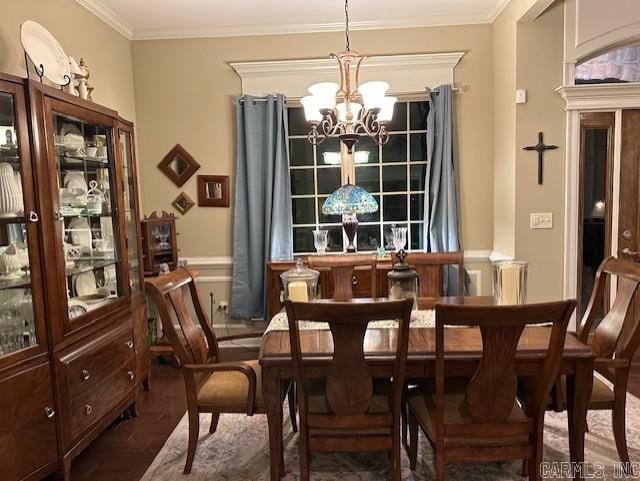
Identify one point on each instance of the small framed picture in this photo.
(213, 190)
(183, 203)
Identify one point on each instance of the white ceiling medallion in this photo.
(120, 23)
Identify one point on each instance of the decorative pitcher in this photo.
(11, 201)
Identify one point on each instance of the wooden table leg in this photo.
(273, 402)
(578, 393)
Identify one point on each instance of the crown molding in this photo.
(284, 29)
(287, 68)
(406, 73)
(109, 17)
(496, 9)
(112, 19)
(600, 96)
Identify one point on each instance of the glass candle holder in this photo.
(510, 282)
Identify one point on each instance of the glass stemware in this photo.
(161, 234)
(320, 240)
(399, 237)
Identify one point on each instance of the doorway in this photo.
(609, 197)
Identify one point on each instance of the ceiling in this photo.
(153, 19)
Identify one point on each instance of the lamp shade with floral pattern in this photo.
(349, 199)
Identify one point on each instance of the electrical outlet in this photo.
(521, 96)
(541, 220)
(223, 306)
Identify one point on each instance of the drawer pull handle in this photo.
(131, 375)
(88, 409)
(130, 344)
(354, 280)
(85, 375)
(49, 412)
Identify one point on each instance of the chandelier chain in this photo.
(346, 24)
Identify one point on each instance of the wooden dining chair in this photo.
(430, 267)
(349, 410)
(342, 272)
(481, 420)
(615, 341)
(212, 386)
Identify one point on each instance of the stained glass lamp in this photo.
(348, 201)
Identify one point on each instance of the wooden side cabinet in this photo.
(159, 242)
(28, 439)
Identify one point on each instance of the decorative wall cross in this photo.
(540, 147)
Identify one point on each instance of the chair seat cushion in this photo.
(423, 407)
(601, 392)
(228, 390)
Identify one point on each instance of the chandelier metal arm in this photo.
(351, 126)
(358, 71)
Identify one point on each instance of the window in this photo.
(619, 64)
(394, 173)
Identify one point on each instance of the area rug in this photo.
(239, 451)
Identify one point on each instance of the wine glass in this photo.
(162, 235)
(399, 237)
(320, 240)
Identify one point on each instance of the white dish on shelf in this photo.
(80, 233)
(77, 308)
(84, 284)
(75, 182)
(110, 276)
(43, 49)
(99, 295)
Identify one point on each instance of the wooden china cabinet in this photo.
(73, 321)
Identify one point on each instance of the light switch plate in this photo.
(541, 220)
(521, 96)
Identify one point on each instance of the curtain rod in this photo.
(296, 99)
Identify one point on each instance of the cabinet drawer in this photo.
(361, 283)
(98, 376)
(27, 423)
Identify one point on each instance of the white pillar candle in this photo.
(510, 277)
(298, 291)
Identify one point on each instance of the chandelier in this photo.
(348, 108)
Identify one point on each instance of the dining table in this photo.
(463, 351)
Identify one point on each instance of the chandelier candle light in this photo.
(348, 108)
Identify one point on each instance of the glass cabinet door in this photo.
(19, 328)
(131, 220)
(88, 209)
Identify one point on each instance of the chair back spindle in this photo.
(342, 269)
(491, 392)
(618, 332)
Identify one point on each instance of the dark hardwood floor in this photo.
(127, 448)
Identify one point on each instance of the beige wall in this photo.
(504, 86)
(81, 34)
(539, 71)
(183, 94)
(184, 90)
